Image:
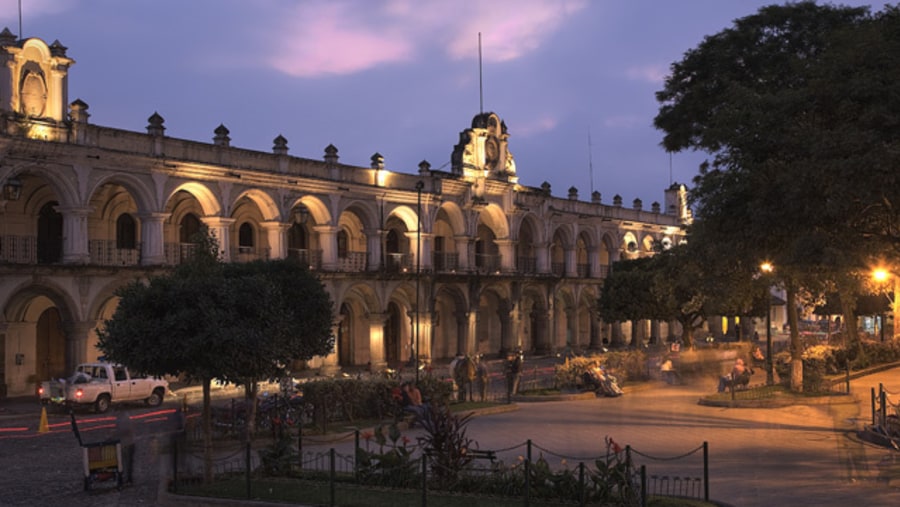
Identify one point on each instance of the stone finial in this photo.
(617, 200)
(155, 125)
(637, 204)
(595, 197)
(424, 167)
(221, 138)
(7, 38)
(654, 207)
(280, 145)
(573, 194)
(331, 154)
(57, 49)
(545, 187)
(377, 161)
(78, 111)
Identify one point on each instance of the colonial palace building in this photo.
(430, 264)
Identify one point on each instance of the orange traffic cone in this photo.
(44, 427)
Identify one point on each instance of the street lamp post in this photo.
(419, 185)
(767, 267)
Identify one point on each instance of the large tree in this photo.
(205, 320)
(784, 147)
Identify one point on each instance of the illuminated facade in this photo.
(494, 265)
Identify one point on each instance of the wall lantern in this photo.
(12, 189)
(301, 214)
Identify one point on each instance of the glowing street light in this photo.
(767, 268)
(881, 276)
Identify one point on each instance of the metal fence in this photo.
(623, 476)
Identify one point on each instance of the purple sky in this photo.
(398, 77)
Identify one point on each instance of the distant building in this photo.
(495, 265)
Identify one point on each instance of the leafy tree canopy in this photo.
(236, 322)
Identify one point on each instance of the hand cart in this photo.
(102, 460)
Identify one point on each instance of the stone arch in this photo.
(208, 201)
(356, 303)
(264, 203)
(453, 215)
(449, 322)
(138, 189)
(40, 329)
(495, 218)
(406, 215)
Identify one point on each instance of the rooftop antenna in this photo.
(480, 86)
(591, 160)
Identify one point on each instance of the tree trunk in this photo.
(796, 345)
(250, 392)
(207, 434)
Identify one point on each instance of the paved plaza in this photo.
(798, 455)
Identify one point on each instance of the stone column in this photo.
(374, 246)
(594, 263)
(462, 250)
(542, 257)
(571, 256)
(376, 341)
(75, 234)
(153, 244)
(507, 255)
(276, 235)
(328, 243)
(220, 227)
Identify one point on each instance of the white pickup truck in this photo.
(100, 384)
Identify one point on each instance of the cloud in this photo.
(329, 37)
(654, 74)
(535, 126)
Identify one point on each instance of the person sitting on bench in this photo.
(739, 376)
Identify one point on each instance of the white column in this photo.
(571, 263)
(542, 257)
(507, 255)
(220, 228)
(153, 246)
(376, 341)
(462, 250)
(594, 263)
(276, 235)
(75, 234)
(328, 243)
(374, 248)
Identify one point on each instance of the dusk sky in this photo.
(397, 77)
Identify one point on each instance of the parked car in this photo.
(100, 384)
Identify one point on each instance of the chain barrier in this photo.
(672, 458)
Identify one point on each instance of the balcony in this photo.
(398, 262)
(249, 254)
(353, 262)
(106, 253)
(487, 263)
(312, 258)
(445, 262)
(177, 253)
(558, 268)
(18, 249)
(584, 270)
(526, 265)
